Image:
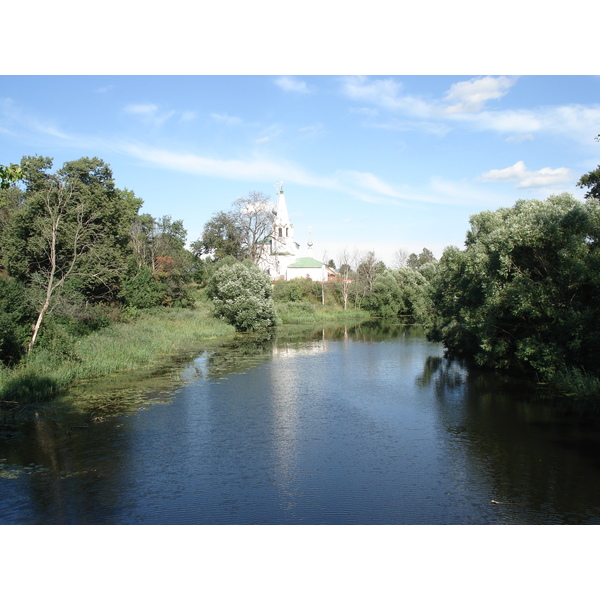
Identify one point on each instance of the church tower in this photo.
(283, 230)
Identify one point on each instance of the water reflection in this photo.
(365, 424)
(531, 456)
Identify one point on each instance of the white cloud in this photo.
(399, 111)
(528, 179)
(471, 96)
(149, 113)
(292, 84)
(227, 119)
(188, 115)
(385, 93)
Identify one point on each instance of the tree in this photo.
(416, 261)
(241, 295)
(163, 266)
(399, 259)
(9, 175)
(591, 181)
(241, 232)
(523, 294)
(368, 267)
(402, 292)
(346, 274)
(221, 237)
(69, 235)
(66, 234)
(255, 218)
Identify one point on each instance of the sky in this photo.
(368, 163)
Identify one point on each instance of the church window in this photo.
(280, 233)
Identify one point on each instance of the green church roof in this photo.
(306, 263)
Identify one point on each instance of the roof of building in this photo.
(306, 263)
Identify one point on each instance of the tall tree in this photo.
(221, 237)
(71, 227)
(523, 294)
(241, 232)
(255, 218)
(591, 181)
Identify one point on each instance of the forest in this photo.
(77, 257)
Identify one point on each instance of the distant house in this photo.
(283, 258)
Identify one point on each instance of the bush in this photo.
(16, 319)
(297, 290)
(242, 296)
(142, 290)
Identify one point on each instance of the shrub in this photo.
(242, 296)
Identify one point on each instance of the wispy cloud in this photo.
(188, 115)
(528, 179)
(387, 94)
(226, 119)
(150, 114)
(292, 84)
(465, 104)
(471, 96)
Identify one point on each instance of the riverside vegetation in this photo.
(90, 286)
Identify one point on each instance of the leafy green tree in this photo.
(523, 294)
(15, 320)
(242, 296)
(416, 261)
(400, 293)
(367, 270)
(142, 290)
(221, 237)
(591, 181)
(240, 232)
(69, 236)
(9, 175)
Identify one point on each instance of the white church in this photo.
(283, 258)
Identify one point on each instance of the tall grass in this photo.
(576, 383)
(143, 343)
(291, 313)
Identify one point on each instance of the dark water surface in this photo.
(361, 425)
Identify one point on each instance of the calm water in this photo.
(340, 426)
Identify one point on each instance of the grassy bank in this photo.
(292, 313)
(144, 343)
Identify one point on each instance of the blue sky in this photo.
(374, 162)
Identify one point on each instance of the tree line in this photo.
(75, 250)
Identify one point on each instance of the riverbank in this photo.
(145, 343)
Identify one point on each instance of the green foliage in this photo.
(523, 294)
(416, 261)
(591, 181)
(402, 292)
(15, 321)
(297, 290)
(221, 237)
(9, 175)
(142, 290)
(242, 296)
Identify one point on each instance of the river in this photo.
(369, 424)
